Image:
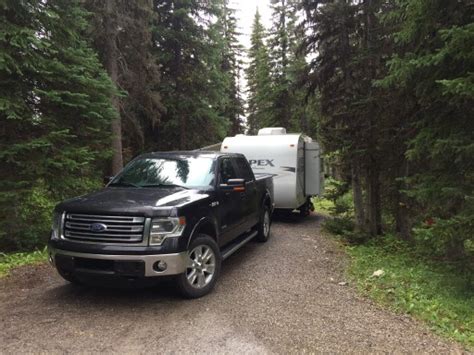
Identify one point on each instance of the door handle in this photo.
(242, 194)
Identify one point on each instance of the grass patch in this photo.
(438, 293)
(10, 261)
(323, 205)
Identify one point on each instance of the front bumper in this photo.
(120, 265)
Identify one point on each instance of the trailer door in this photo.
(313, 177)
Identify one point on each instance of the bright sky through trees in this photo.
(246, 12)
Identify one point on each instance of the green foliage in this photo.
(434, 63)
(395, 83)
(54, 110)
(138, 72)
(340, 207)
(276, 74)
(10, 261)
(258, 79)
(231, 67)
(189, 47)
(440, 294)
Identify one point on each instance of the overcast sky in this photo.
(245, 14)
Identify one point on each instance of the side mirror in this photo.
(234, 184)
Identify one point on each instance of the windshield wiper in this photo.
(124, 183)
(166, 185)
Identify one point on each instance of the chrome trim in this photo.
(105, 218)
(177, 262)
(143, 241)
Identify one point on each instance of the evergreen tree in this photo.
(122, 36)
(280, 44)
(434, 65)
(188, 48)
(231, 68)
(258, 79)
(349, 40)
(289, 107)
(55, 111)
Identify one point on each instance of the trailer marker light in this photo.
(225, 147)
(292, 145)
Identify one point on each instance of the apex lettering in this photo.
(261, 162)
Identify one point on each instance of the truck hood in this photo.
(141, 201)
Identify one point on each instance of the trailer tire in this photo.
(306, 208)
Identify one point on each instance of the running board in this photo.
(233, 247)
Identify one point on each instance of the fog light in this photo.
(160, 265)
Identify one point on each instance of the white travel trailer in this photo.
(294, 160)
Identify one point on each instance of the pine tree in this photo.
(289, 105)
(433, 64)
(231, 65)
(55, 111)
(188, 47)
(122, 36)
(280, 43)
(258, 79)
(349, 40)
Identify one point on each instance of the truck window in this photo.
(244, 169)
(227, 170)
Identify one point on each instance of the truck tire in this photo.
(263, 227)
(204, 258)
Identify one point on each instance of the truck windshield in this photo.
(186, 172)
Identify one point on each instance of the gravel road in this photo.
(280, 297)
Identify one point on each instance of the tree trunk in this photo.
(402, 220)
(182, 132)
(111, 65)
(374, 217)
(357, 194)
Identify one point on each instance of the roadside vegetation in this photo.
(403, 275)
(13, 260)
(437, 292)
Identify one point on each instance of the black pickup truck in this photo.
(173, 213)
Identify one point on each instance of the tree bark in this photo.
(374, 217)
(402, 220)
(111, 65)
(357, 195)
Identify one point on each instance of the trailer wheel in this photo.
(306, 208)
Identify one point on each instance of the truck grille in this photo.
(103, 229)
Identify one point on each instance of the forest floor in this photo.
(290, 295)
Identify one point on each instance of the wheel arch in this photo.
(267, 201)
(206, 226)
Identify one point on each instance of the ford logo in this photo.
(98, 227)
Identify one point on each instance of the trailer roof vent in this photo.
(269, 131)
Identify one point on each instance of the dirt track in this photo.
(278, 297)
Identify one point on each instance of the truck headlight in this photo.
(56, 225)
(162, 228)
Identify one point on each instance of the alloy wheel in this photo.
(201, 266)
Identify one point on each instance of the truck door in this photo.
(229, 201)
(249, 198)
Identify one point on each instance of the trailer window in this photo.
(244, 169)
